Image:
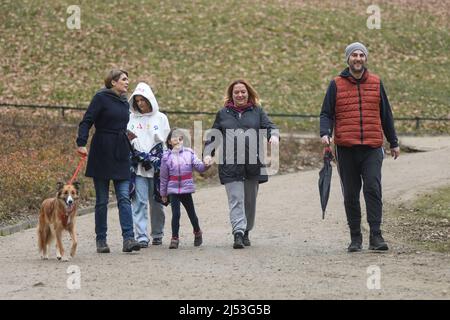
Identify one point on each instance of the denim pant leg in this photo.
(157, 217)
(101, 207)
(176, 213)
(124, 205)
(139, 205)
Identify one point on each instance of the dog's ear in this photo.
(76, 184)
(59, 186)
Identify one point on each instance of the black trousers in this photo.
(188, 203)
(361, 166)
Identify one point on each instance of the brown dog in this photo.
(56, 215)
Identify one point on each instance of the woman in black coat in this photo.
(238, 127)
(109, 156)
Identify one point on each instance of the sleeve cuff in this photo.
(394, 145)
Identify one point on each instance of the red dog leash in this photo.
(83, 158)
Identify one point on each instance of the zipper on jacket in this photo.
(360, 110)
(179, 172)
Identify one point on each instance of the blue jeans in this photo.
(188, 203)
(144, 196)
(123, 203)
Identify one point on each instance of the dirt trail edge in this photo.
(294, 253)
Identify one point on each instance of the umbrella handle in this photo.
(330, 150)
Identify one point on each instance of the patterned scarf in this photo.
(240, 109)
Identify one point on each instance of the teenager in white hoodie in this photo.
(148, 127)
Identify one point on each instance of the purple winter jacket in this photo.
(176, 171)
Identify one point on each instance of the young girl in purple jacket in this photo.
(177, 165)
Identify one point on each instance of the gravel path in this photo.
(294, 253)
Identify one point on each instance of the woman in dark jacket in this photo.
(238, 128)
(109, 156)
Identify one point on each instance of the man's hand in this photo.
(326, 140)
(395, 152)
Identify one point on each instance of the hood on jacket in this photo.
(144, 90)
(346, 74)
(112, 93)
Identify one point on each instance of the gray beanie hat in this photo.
(353, 47)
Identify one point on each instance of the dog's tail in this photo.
(44, 233)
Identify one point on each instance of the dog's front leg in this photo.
(59, 246)
(44, 255)
(73, 235)
(44, 240)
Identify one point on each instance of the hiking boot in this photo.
(376, 241)
(246, 240)
(356, 242)
(157, 241)
(198, 239)
(130, 245)
(174, 243)
(143, 244)
(102, 246)
(238, 240)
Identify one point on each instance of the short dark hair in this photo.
(113, 74)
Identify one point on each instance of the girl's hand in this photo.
(207, 161)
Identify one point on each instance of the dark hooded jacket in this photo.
(231, 169)
(109, 154)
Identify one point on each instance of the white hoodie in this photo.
(150, 128)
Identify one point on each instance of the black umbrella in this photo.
(325, 178)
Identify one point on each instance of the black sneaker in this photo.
(102, 246)
(198, 238)
(238, 240)
(157, 241)
(376, 242)
(143, 244)
(356, 242)
(246, 240)
(131, 245)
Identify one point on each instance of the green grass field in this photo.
(424, 221)
(190, 50)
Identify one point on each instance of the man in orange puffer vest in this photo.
(357, 108)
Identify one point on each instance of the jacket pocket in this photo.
(122, 148)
